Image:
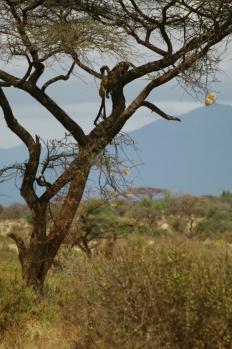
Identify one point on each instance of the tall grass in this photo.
(162, 293)
(170, 294)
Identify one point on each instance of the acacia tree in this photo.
(181, 37)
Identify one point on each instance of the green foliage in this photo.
(192, 216)
(178, 224)
(143, 213)
(145, 203)
(163, 205)
(217, 225)
(16, 305)
(226, 194)
(19, 305)
(156, 232)
(29, 217)
(14, 211)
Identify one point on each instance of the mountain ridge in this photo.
(190, 157)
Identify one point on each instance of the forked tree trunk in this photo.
(33, 270)
(32, 257)
(38, 257)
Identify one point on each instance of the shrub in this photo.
(169, 295)
(216, 225)
(13, 211)
(143, 213)
(179, 225)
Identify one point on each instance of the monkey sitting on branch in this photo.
(108, 81)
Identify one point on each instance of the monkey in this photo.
(105, 82)
(103, 92)
(108, 81)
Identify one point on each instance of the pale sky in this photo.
(79, 97)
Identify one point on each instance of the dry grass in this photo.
(172, 294)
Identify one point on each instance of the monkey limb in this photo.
(102, 110)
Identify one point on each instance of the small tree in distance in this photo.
(181, 37)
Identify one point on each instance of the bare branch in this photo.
(33, 6)
(8, 79)
(31, 48)
(13, 124)
(57, 112)
(58, 78)
(67, 176)
(33, 147)
(19, 242)
(21, 247)
(84, 66)
(158, 111)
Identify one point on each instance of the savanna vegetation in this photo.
(115, 274)
(131, 274)
(162, 40)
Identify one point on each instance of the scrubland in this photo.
(156, 274)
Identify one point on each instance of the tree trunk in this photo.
(33, 270)
(33, 257)
(37, 259)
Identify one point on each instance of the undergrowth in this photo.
(169, 293)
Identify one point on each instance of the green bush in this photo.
(29, 217)
(226, 195)
(178, 224)
(216, 225)
(18, 305)
(14, 211)
(143, 213)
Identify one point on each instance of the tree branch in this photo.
(48, 103)
(210, 39)
(19, 242)
(68, 175)
(12, 123)
(158, 111)
(20, 245)
(117, 124)
(58, 78)
(84, 66)
(33, 147)
(68, 123)
(32, 6)
(31, 48)
(8, 79)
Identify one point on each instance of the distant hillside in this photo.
(193, 156)
(10, 155)
(8, 191)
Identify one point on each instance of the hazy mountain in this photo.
(9, 193)
(193, 156)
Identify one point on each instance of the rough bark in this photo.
(38, 258)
